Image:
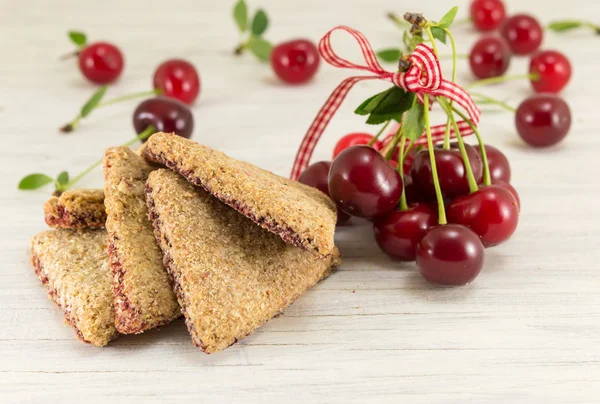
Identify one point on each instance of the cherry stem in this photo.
(501, 79)
(434, 173)
(453, 43)
(388, 149)
(489, 100)
(241, 48)
(376, 137)
(487, 178)
(69, 55)
(432, 39)
(71, 126)
(461, 145)
(403, 204)
(144, 135)
(576, 24)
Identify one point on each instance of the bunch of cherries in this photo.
(543, 119)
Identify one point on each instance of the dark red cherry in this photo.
(295, 61)
(489, 57)
(399, 232)
(523, 33)
(498, 163)
(487, 15)
(177, 78)
(543, 120)
(101, 62)
(553, 69)
(363, 183)
(451, 171)
(510, 189)
(450, 255)
(354, 139)
(491, 212)
(165, 115)
(316, 176)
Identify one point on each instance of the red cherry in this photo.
(487, 15)
(363, 183)
(295, 61)
(354, 139)
(316, 176)
(554, 70)
(498, 163)
(491, 212)
(523, 33)
(451, 171)
(399, 232)
(489, 57)
(177, 78)
(543, 120)
(510, 189)
(165, 115)
(450, 255)
(101, 62)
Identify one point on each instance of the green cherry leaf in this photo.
(448, 19)
(261, 48)
(240, 15)
(561, 26)
(63, 178)
(371, 103)
(414, 122)
(260, 22)
(439, 34)
(78, 38)
(392, 106)
(35, 181)
(389, 55)
(407, 40)
(93, 101)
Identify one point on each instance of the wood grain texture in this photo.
(528, 330)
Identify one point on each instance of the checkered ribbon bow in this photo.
(424, 78)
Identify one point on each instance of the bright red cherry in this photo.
(316, 176)
(523, 33)
(399, 232)
(295, 61)
(543, 120)
(489, 57)
(554, 70)
(510, 189)
(101, 62)
(177, 78)
(165, 115)
(491, 212)
(354, 139)
(450, 255)
(451, 171)
(487, 15)
(498, 163)
(363, 183)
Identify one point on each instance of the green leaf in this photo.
(448, 19)
(78, 38)
(414, 122)
(371, 103)
(261, 48)
(35, 181)
(240, 15)
(406, 39)
(438, 34)
(93, 101)
(416, 40)
(390, 54)
(561, 26)
(63, 178)
(260, 22)
(392, 106)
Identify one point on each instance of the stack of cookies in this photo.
(182, 229)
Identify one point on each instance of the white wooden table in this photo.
(528, 330)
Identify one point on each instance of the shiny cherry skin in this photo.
(316, 176)
(399, 232)
(523, 33)
(165, 115)
(491, 212)
(498, 163)
(451, 171)
(295, 61)
(450, 255)
(510, 189)
(363, 183)
(554, 70)
(177, 78)
(487, 15)
(101, 62)
(354, 139)
(489, 57)
(543, 120)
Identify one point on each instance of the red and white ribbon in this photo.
(424, 78)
